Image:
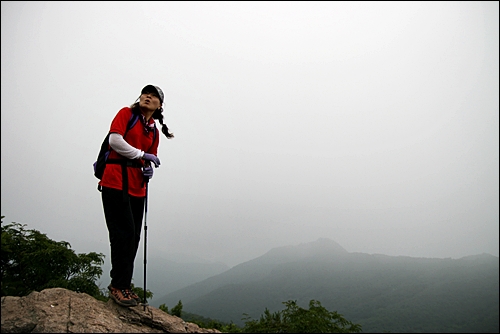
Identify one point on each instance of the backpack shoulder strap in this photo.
(131, 122)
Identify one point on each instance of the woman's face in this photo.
(149, 101)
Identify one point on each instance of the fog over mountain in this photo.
(381, 292)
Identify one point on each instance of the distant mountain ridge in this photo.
(381, 292)
(247, 272)
(303, 251)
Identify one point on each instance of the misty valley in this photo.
(380, 292)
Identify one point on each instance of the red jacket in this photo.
(137, 137)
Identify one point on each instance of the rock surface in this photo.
(63, 311)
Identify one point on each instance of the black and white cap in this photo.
(153, 89)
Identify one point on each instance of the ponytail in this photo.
(158, 114)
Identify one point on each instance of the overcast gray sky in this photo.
(375, 124)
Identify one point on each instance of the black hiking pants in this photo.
(124, 221)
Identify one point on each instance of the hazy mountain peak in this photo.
(325, 244)
(323, 247)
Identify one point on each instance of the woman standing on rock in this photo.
(123, 185)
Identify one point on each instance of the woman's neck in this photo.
(147, 113)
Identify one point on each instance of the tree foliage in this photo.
(164, 308)
(176, 310)
(294, 319)
(204, 322)
(30, 261)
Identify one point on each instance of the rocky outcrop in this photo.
(63, 311)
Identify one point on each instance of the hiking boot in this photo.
(121, 296)
(134, 296)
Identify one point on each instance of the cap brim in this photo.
(151, 88)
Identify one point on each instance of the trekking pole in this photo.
(145, 303)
